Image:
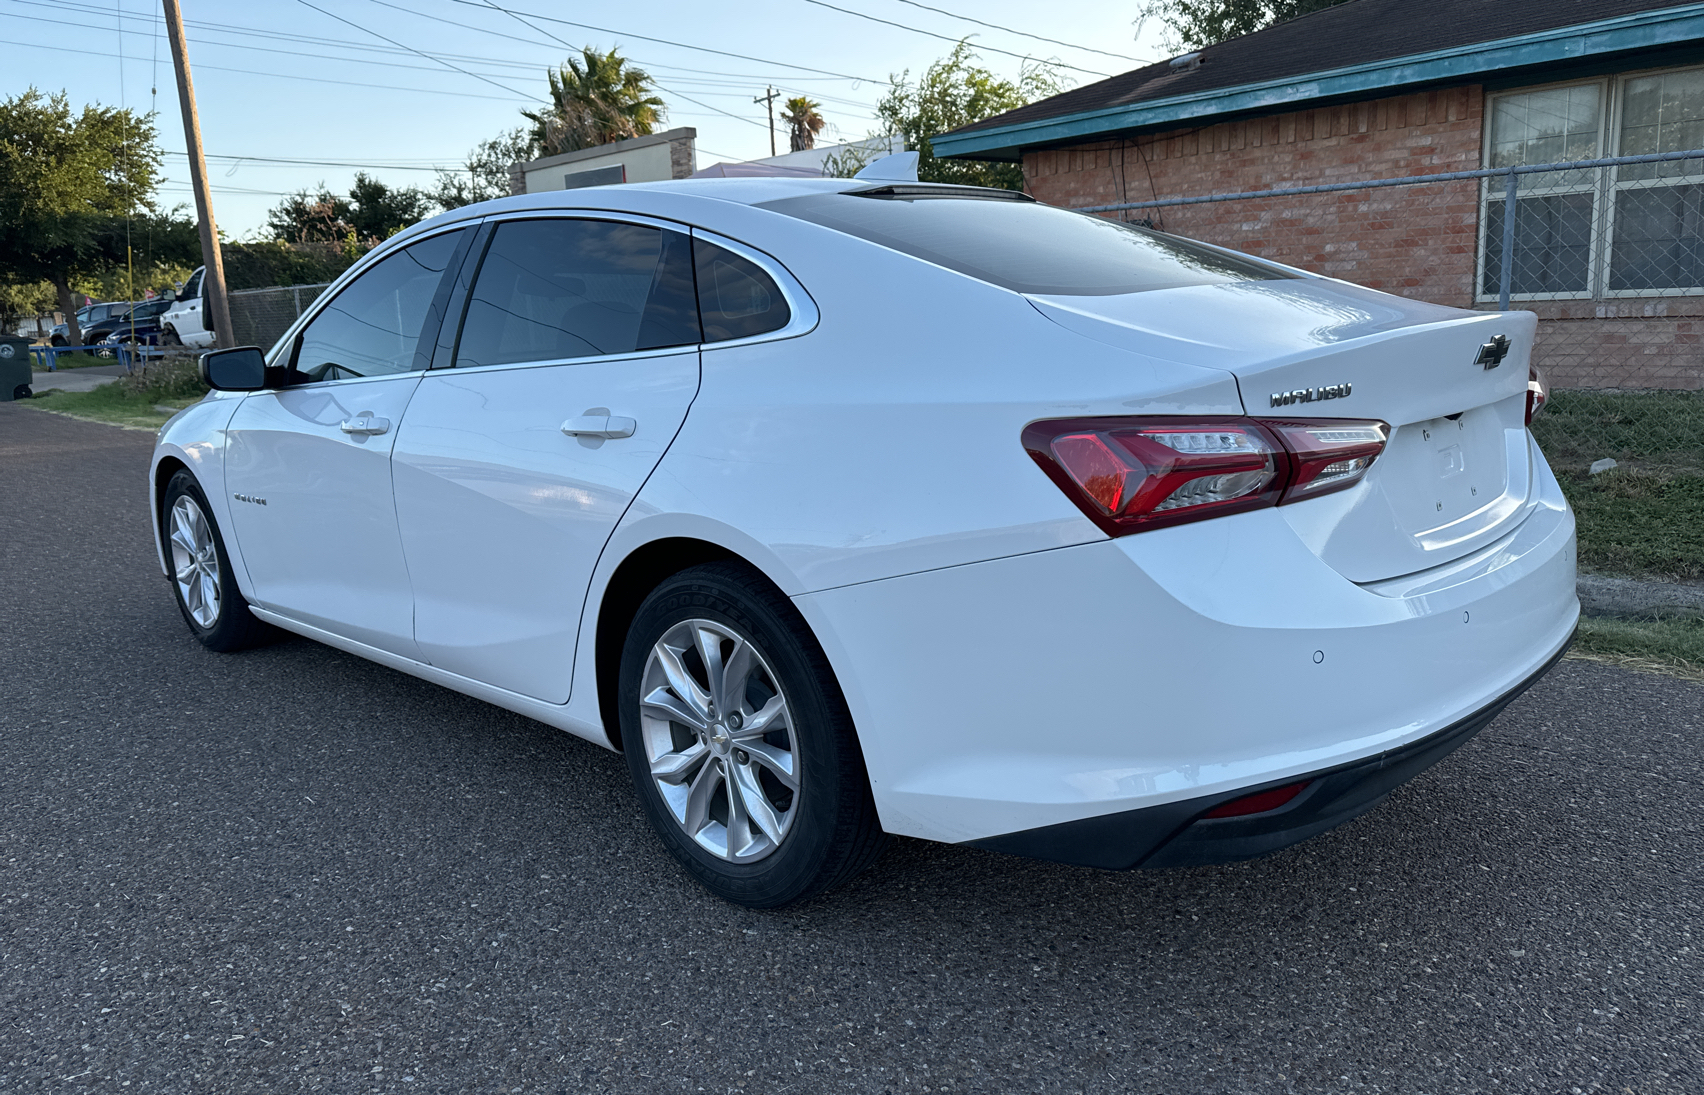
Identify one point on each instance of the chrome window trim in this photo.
(804, 316)
(376, 255)
(451, 371)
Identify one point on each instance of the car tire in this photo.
(22, 391)
(764, 814)
(57, 340)
(169, 337)
(201, 576)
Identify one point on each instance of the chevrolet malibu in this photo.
(855, 507)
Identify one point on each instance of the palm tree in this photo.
(803, 123)
(595, 99)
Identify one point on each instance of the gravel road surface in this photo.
(292, 870)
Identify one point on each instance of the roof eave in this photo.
(1644, 30)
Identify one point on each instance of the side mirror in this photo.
(238, 369)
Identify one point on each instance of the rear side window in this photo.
(554, 289)
(735, 297)
(1025, 246)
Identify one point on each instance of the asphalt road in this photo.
(293, 870)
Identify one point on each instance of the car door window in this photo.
(373, 326)
(735, 297)
(192, 287)
(549, 290)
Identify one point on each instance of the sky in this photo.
(399, 87)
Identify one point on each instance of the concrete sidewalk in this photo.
(74, 380)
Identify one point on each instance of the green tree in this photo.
(378, 212)
(803, 123)
(66, 180)
(373, 211)
(595, 99)
(310, 216)
(954, 92)
(1196, 24)
(487, 170)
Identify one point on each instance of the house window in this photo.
(1625, 231)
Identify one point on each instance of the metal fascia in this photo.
(1642, 30)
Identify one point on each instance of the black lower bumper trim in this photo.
(1175, 834)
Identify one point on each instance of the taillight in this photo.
(1538, 393)
(1132, 474)
(1329, 455)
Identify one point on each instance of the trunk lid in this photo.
(1457, 472)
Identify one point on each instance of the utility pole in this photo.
(218, 315)
(769, 100)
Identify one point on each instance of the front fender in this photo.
(195, 438)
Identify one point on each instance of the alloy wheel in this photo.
(719, 741)
(195, 562)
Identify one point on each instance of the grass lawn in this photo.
(112, 404)
(1673, 645)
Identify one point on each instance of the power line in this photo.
(516, 16)
(947, 38)
(293, 76)
(1022, 33)
(411, 49)
(660, 41)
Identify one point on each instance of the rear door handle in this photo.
(599, 425)
(365, 425)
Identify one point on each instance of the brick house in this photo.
(1613, 259)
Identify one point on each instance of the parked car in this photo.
(185, 323)
(91, 321)
(855, 507)
(140, 326)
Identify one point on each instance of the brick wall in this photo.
(1415, 241)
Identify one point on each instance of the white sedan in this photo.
(854, 507)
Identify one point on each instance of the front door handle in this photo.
(365, 425)
(599, 425)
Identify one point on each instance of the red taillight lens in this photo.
(1132, 474)
(1136, 474)
(1329, 455)
(1538, 393)
(1258, 803)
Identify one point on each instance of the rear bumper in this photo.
(1208, 659)
(1177, 834)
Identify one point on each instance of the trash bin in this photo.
(14, 368)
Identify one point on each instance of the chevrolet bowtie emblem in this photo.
(1492, 353)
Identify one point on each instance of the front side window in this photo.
(1022, 245)
(192, 287)
(550, 290)
(373, 326)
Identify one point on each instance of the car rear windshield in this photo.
(1023, 245)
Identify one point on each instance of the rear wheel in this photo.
(206, 593)
(739, 741)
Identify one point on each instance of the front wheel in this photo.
(169, 337)
(739, 742)
(206, 593)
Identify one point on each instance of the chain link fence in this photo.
(259, 317)
(1609, 253)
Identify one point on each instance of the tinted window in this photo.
(372, 327)
(736, 299)
(554, 289)
(192, 287)
(1026, 246)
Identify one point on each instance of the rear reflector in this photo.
(1257, 803)
(1132, 474)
